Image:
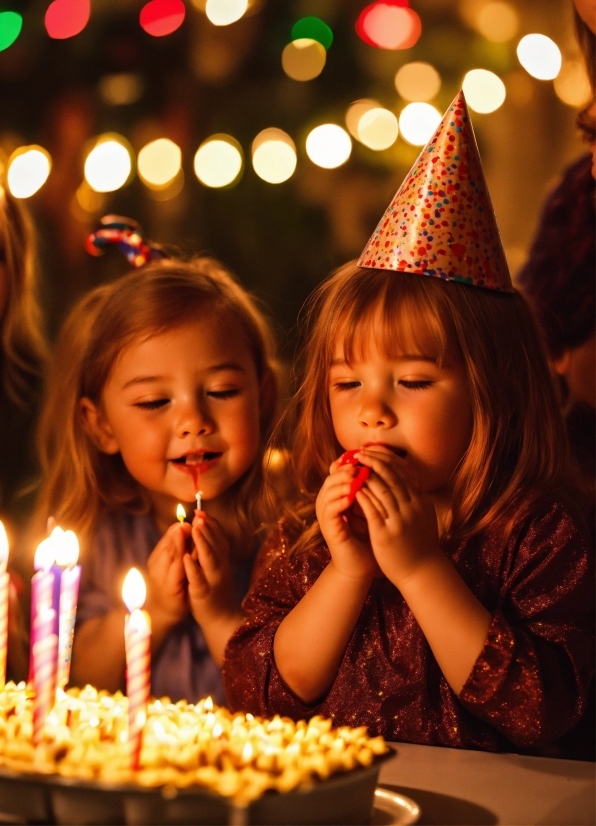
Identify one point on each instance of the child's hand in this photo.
(209, 572)
(344, 531)
(167, 579)
(402, 522)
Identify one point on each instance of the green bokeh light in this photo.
(313, 28)
(11, 24)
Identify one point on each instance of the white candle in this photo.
(137, 639)
(67, 557)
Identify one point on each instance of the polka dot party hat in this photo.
(441, 221)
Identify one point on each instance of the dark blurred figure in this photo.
(560, 281)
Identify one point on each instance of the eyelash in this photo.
(152, 405)
(409, 385)
(156, 404)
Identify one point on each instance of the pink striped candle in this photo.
(4, 580)
(67, 557)
(42, 588)
(137, 642)
(45, 668)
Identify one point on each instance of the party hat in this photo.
(124, 233)
(441, 221)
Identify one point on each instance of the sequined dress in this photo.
(526, 689)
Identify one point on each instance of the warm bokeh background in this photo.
(281, 239)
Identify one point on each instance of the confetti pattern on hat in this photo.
(441, 221)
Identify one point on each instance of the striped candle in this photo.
(69, 595)
(45, 668)
(42, 588)
(137, 642)
(4, 580)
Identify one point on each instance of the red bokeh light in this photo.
(389, 24)
(66, 18)
(161, 17)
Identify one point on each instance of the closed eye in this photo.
(346, 385)
(154, 404)
(415, 385)
(223, 394)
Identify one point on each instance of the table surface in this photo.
(455, 786)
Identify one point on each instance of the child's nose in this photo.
(376, 413)
(194, 421)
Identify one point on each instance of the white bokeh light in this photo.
(418, 122)
(484, 90)
(159, 162)
(356, 110)
(225, 12)
(378, 129)
(540, 56)
(274, 155)
(28, 170)
(328, 145)
(218, 161)
(109, 164)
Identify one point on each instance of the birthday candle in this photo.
(4, 580)
(137, 640)
(180, 513)
(45, 667)
(56, 538)
(66, 558)
(42, 586)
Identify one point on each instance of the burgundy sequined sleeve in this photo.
(531, 678)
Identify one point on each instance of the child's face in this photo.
(185, 398)
(410, 404)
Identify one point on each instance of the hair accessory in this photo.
(126, 235)
(441, 221)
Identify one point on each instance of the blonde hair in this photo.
(81, 482)
(518, 444)
(23, 352)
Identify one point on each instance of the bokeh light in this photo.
(303, 59)
(313, 28)
(225, 12)
(484, 90)
(162, 17)
(540, 56)
(378, 129)
(389, 26)
(28, 170)
(218, 161)
(417, 81)
(355, 112)
(274, 155)
(572, 84)
(109, 163)
(159, 162)
(418, 122)
(67, 18)
(88, 199)
(498, 21)
(11, 23)
(328, 145)
(121, 88)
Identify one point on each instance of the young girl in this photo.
(164, 383)
(450, 604)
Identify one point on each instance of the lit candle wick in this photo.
(199, 493)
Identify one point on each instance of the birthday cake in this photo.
(237, 756)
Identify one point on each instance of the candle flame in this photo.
(45, 555)
(208, 705)
(67, 548)
(3, 545)
(247, 751)
(180, 513)
(134, 591)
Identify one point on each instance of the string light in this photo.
(389, 25)
(225, 12)
(218, 161)
(540, 56)
(498, 22)
(11, 23)
(162, 17)
(484, 91)
(418, 81)
(67, 18)
(121, 88)
(418, 122)
(378, 129)
(303, 59)
(313, 28)
(28, 170)
(274, 155)
(159, 162)
(355, 112)
(572, 84)
(328, 145)
(109, 163)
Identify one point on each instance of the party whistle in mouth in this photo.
(362, 473)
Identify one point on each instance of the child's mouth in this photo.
(196, 459)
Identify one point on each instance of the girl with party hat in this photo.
(434, 581)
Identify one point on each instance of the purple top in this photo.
(183, 667)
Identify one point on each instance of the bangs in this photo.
(396, 313)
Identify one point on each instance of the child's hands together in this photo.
(402, 523)
(344, 531)
(167, 578)
(209, 572)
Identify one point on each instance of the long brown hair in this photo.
(81, 482)
(518, 444)
(23, 350)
